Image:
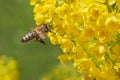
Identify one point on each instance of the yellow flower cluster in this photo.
(8, 69)
(88, 32)
(62, 72)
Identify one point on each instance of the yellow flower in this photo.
(118, 3)
(62, 72)
(117, 68)
(113, 24)
(63, 11)
(8, 69)
(52, 38)
(33, 2)
(82, 65)
(102, 49)
(87, 32)
(104, 35)
(115, 50)
(64, 58)
(66, 45)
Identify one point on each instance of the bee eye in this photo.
(45, 26)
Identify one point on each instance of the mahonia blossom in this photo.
(88, 32)
(8, 68)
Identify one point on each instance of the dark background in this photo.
(34, 59)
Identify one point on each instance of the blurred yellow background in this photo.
(34, 59)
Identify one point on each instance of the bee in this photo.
(39, 33)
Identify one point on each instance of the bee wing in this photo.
(42, 35)
(41, 41)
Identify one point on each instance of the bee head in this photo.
(46, 28)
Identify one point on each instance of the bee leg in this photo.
(40, 40)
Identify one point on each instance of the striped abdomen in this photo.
(29, 36)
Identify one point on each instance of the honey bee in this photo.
(39, 33)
